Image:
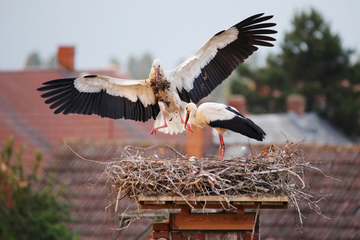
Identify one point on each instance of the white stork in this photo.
(165, 94)
(222, 118)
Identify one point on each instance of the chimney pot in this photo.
(65, 57)
(296, 103)
(238, 102)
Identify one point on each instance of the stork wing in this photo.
(217, 58)
(105, 96)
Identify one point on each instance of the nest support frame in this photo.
(235, 218)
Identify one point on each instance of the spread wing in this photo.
(105, 96)
(217, 58)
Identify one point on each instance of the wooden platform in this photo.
(213, 220)
(212, 202)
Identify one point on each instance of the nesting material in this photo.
(272, 172)
(159, 86)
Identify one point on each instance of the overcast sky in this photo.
(168, 30)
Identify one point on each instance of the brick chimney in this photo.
(195, 142)
(238, 102)
(296, 103)
(65, 57)
(198, 142)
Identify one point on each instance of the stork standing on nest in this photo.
(222, 118)
(165, 94)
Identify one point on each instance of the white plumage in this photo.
(222, 118)
(165, 94)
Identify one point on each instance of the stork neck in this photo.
(193, 119)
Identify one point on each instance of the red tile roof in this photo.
(24, 115)
(342, 203)
(90, 193)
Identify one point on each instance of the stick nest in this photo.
(159, 87)
(272, 172)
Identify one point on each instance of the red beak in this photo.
(187, 118)
(186, 121)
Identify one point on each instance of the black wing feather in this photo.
(252, 32)
(240, 124)
(65, 98)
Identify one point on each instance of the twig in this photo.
(298, 178)
(89, 160)
(172, 149)
(256, 216)
(118, 199)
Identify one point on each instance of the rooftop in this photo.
(91, 193)
(279, 128)
(341, 205)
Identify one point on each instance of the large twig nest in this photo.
(273, 172)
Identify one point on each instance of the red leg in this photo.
(222, 147)
(163, 126)
(182, 120)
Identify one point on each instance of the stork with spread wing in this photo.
(165, 94)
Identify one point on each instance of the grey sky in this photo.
(168, 30)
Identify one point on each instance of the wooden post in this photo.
(212, 221)
(210, 225)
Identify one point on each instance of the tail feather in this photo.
(256, 132)
(241, 125)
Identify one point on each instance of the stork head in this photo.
(157, 68)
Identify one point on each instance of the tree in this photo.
(29, 207)
(265, 89)
(51, 63)
(115, 62)
(139, 68)
(33, 60)
(312, 62)
(312, 56)
(312, 46)
(144, 65)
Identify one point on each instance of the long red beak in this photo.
(186, 122)
(187, 118)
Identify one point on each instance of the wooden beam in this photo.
(216, 202)
(161, 226)
(216, 221)
(214, 198)
(240, 211)
(212, 206)
(185, 210)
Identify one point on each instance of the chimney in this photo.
(296, 103)
(65, 57)
(198, 142)
(195, 142)
(238, 102)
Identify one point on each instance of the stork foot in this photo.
(222, 152)
(153, 131)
